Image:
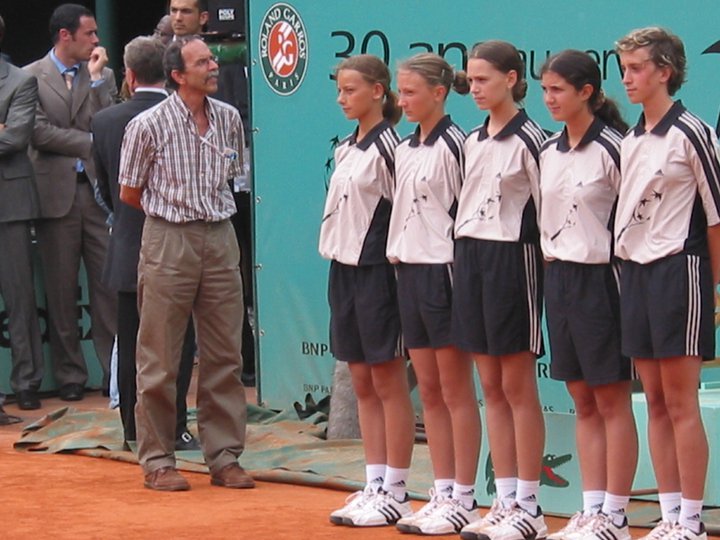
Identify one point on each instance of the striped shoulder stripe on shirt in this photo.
(533, 136)
(386, 143)
(454, 138)
(551, 141)
(610, 140)
(700, 136)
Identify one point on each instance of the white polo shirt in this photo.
(429, 176)
(670, 191)
(579, 188)
(355, 221)
(500, 194)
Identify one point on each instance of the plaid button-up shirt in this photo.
(184, 175)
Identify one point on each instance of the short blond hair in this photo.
(666, 50)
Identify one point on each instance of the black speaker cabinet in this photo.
(227, 17)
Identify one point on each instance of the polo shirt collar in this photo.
(512, 127)
(440, 128)
(592, 133)
(663, 126)
(370, 137)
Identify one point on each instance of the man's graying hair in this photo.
(144, 56)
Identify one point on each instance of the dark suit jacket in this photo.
(108, 127)
(18, 99)
(62, 131)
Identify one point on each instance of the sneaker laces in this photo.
(437, 500)
(661, 531)
(497, 512)
(579, 521)
(361, 496)
(679, 532)
(599, 521)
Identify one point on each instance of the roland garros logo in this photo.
(283, 49)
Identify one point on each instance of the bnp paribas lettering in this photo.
(312, 348)
(376, 42)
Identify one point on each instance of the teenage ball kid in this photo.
(429, 168)
(364, 319)
(667, 233)
(497, 300)
(579, 183)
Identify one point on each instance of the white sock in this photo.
(614, 506)
(526, 497)
(375, 475)
(670, 506)
(465, 495)
(444, 487)
(690, 514)
(593, 501)
(506, 490)
(396, 482)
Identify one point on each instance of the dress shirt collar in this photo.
(62, 68)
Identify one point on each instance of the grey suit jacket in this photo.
(18, 99)
(62, 131)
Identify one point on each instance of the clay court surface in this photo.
(59, 496)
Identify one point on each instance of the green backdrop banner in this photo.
(293, 48)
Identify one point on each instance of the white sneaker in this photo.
(352, 503)
(436, 499)
(574, 525)
(449, 518)
(602, 527)
(679, 532)
(494, 516)
(517, 525)
(660, 532)
(382, 510)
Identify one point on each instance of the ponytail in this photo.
(608, 111)
(391, 110)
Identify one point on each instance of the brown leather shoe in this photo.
(166, 479)
(232, 476)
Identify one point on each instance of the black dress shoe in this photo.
(27, 400)
(7, 419)
(186, 442)
(72, 392)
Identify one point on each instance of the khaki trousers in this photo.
(190, 268)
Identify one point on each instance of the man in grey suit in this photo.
(18, 205)
(145, 78)
(73, 84)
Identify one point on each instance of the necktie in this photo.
(69, 75)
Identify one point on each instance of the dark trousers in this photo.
(242, 224)
(128, 324)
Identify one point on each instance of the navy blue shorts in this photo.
(582, 306)
(667, 308)
(364, 318)
(425, 295)
(497, 300)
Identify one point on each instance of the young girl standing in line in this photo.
(579, 182)
(429, 175)
(497, 300)
(364, 319)
(667, 233)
